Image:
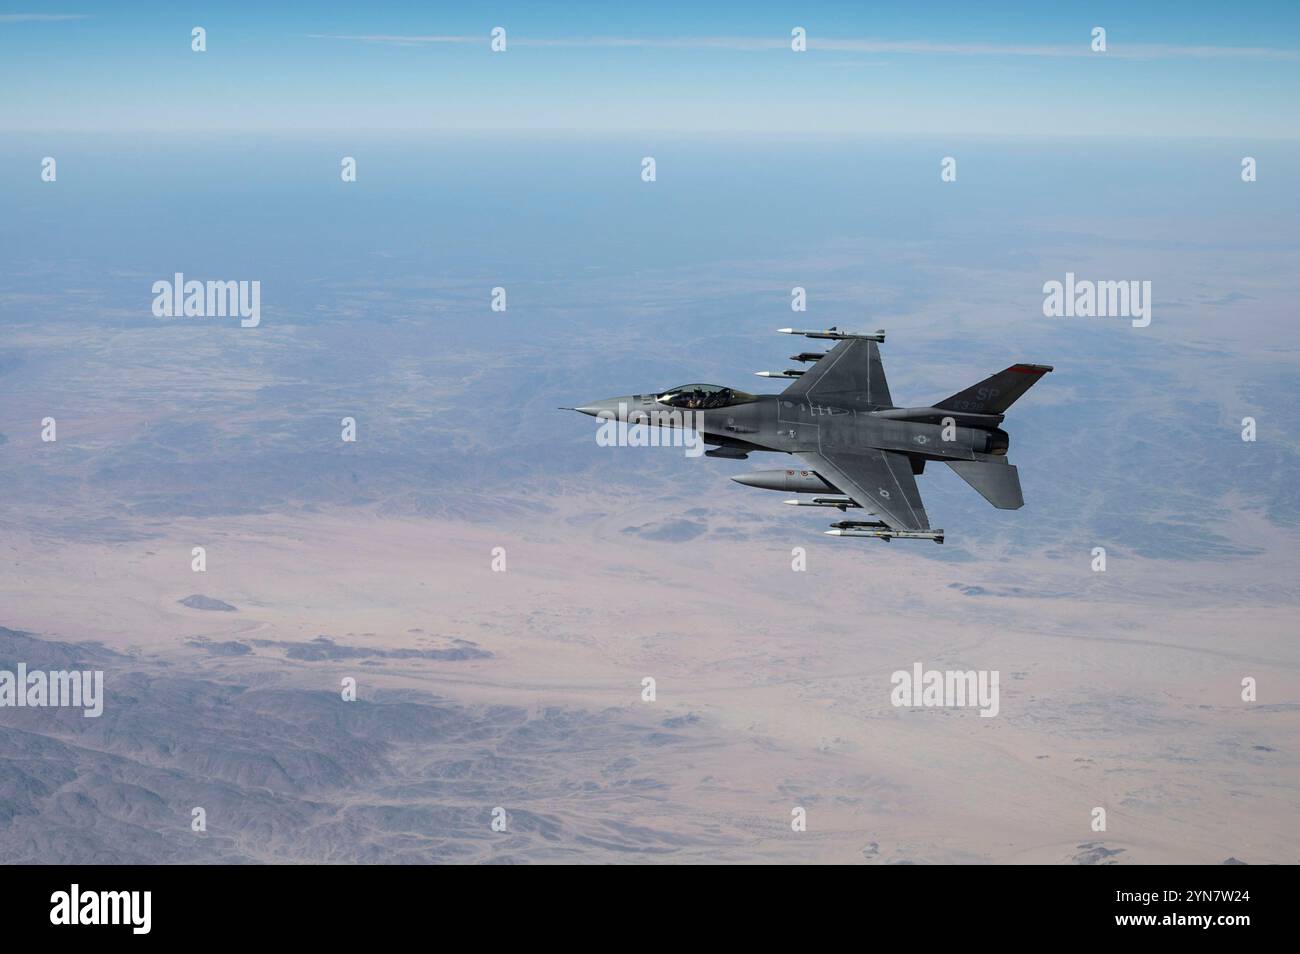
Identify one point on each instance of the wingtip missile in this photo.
(833, 334)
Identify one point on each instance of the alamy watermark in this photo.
(192, 299)
(653, 428)
(37, 689)
(932, 688)
(75, 906)
(1089, 299)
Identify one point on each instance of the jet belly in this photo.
(753, 424)
(925, 440)
(862, 431)
(791, 426)
(797, 424)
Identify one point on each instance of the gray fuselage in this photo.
(773, 422)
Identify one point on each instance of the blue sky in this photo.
(1176, 69)
(374, 293)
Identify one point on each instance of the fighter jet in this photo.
(860, 451)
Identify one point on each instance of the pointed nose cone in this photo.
(614, 408)
(749, 480)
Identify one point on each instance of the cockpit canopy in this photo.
(704, 397)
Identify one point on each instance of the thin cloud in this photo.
(41, 17)
(398, 40)
(1137, 51)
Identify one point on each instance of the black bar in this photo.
(215, 904)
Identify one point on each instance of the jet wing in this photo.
(850, 375)
(879, 481)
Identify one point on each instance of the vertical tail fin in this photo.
(997, 392)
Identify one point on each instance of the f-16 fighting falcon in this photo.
(861, 451)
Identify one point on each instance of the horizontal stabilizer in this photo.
(996, 481)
